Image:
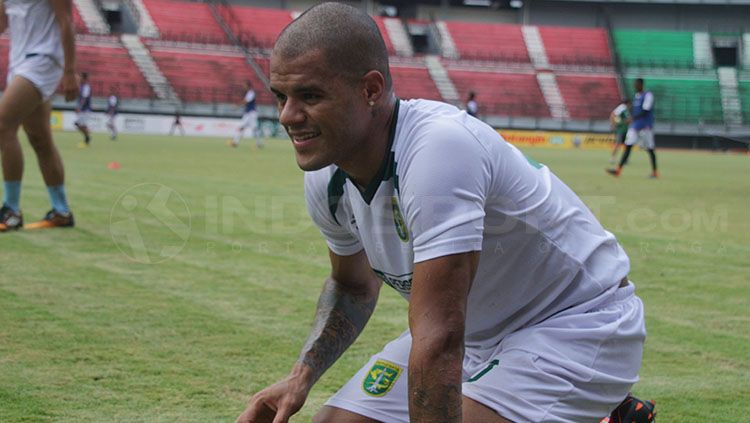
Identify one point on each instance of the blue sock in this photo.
(12, 195)
(57, 198)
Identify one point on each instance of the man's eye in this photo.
(280, 98)
(310, 97)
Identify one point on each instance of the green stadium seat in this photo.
(684, 100)
(671, 49)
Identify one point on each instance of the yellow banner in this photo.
(586, 140)
(56, 120)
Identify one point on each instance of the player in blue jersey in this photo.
(520, 308)
(42, 54)
(83, 110)
(249, 118)
(641, 129)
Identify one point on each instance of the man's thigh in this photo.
(378, 392)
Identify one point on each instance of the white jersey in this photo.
(33, 31)
(451, 184)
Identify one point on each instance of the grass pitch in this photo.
(191, 280)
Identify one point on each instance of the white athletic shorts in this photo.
(250, 120)
(644, 138)
(82, 117)
(42, 71)
(569, 368)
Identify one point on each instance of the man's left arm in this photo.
(437, 317)
(64, 16)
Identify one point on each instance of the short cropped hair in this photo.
(348, 37)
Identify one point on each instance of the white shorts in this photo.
(82, 118)
(249, 120)
(568, 368)
(42, 71)
(644, 137)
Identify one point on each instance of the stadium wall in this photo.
(683, 17)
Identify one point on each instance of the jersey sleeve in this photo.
(648, 101)
(445, 177)
(338, 237)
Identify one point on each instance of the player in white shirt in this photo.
(472, 107)
(42, 53)
(113, 105)
(83, 110)
(519, 304)
(249, 118)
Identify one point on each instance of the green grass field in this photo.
(191, 280)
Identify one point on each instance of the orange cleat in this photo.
(54, 219)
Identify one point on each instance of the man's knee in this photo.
(39, 138)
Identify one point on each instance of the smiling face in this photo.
(324, 112)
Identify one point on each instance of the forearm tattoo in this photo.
(434, 396)
(340, 318)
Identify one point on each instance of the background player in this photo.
(249, 118)
(113, 103)
(83, 110)
(472, 107)
(177, 123)
(42, 52)
(619, 120)
(641, 129)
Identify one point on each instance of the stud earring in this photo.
(371, 103)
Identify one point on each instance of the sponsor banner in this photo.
(162, 125)
(56, 120)
(587, 140)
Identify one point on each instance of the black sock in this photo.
(652, 155)
(625, 155)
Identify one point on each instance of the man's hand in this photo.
(70, 86)
(279, 401)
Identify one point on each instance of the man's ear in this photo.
(374, 86)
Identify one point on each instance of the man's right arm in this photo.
(3, 17)
(345, 305)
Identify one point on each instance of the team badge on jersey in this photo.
(380, 378)
(398, 219)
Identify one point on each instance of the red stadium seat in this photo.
(414, 82)
(259, 27)
(483, 41)
(576, 46)
(506, 94)
(589, 96)
(111, 68)
(185, 21)
(208, 76)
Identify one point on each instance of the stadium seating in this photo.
(78, 23)
(384, 32)
(671, 49)
(483, 41)
(589, 96)
(414, 82)
(744, 88)
(684, 100)
(108, 63)
(505, 94)
(208, 76)
(259, 27)
(185, 21)
(111, 68)
(576, 46)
